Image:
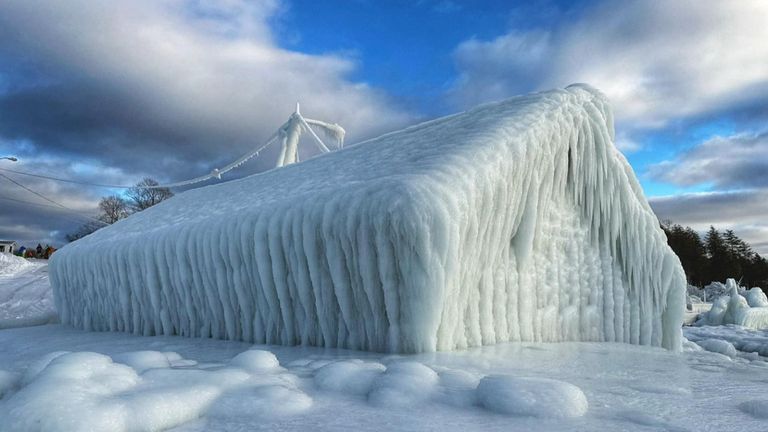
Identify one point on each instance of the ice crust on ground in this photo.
(142, 391)
(628, 388)
(737, 309)
(515, 221)
(749, 342)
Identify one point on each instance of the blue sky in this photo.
(110, 92)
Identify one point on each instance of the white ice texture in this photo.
(750, 311)
(515, 221)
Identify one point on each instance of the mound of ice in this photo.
(353, 377)
(718, 346)
(515, 221)
(404, 384)
(735, 309)
(262, 402)
(11, 264)
(141, 361)
(256, 361)
(536, 397)
(457, 388)
(756, 298)
(142, 391)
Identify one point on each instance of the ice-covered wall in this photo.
(515, 221)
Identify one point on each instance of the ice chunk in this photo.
(268, 401)
(536, 397)
(404, 384)
(353, 377)
(256, 361)
(143, 360)
(515, 221)
(735, 309)
(457, 388)
(756, 298)
(718, 346)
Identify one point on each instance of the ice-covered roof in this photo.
(516, 220)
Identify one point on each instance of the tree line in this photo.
(717, 256)
(112, 208)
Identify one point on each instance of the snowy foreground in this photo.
(115, 382)
(25, 292)
(55, 378)
(514, 221)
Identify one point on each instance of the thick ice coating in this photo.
(515, 221)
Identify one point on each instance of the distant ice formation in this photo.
(515, 221)
(748, 310)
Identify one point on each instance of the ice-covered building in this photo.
(514, 221)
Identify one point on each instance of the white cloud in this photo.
(739, 161)
(657, 60)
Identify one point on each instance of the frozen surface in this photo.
(515, 221)
(747, 341)
(737, 309)
(55, 378)
(25, 293)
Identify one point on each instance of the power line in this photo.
(65, 215)
(29, 202)
(63, 179)
(48, 199)
(333, 130)
(216, 173)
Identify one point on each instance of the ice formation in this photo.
(515, 221)
(734, 308)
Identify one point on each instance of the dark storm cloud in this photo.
(115, 91)
(151, 86)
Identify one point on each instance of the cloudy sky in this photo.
(112, 91)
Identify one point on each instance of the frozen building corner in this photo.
(514, 221)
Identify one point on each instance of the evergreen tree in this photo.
(717, 257)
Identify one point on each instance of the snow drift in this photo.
(12, 264)
(515, 221)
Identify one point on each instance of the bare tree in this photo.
(113, 208)
(140, 197)
(83, 231)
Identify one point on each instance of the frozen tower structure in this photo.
(514, 221)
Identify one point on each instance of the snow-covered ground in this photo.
(55, 378)
(25, 292)
(143, 383)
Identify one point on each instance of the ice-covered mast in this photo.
(291, 132)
